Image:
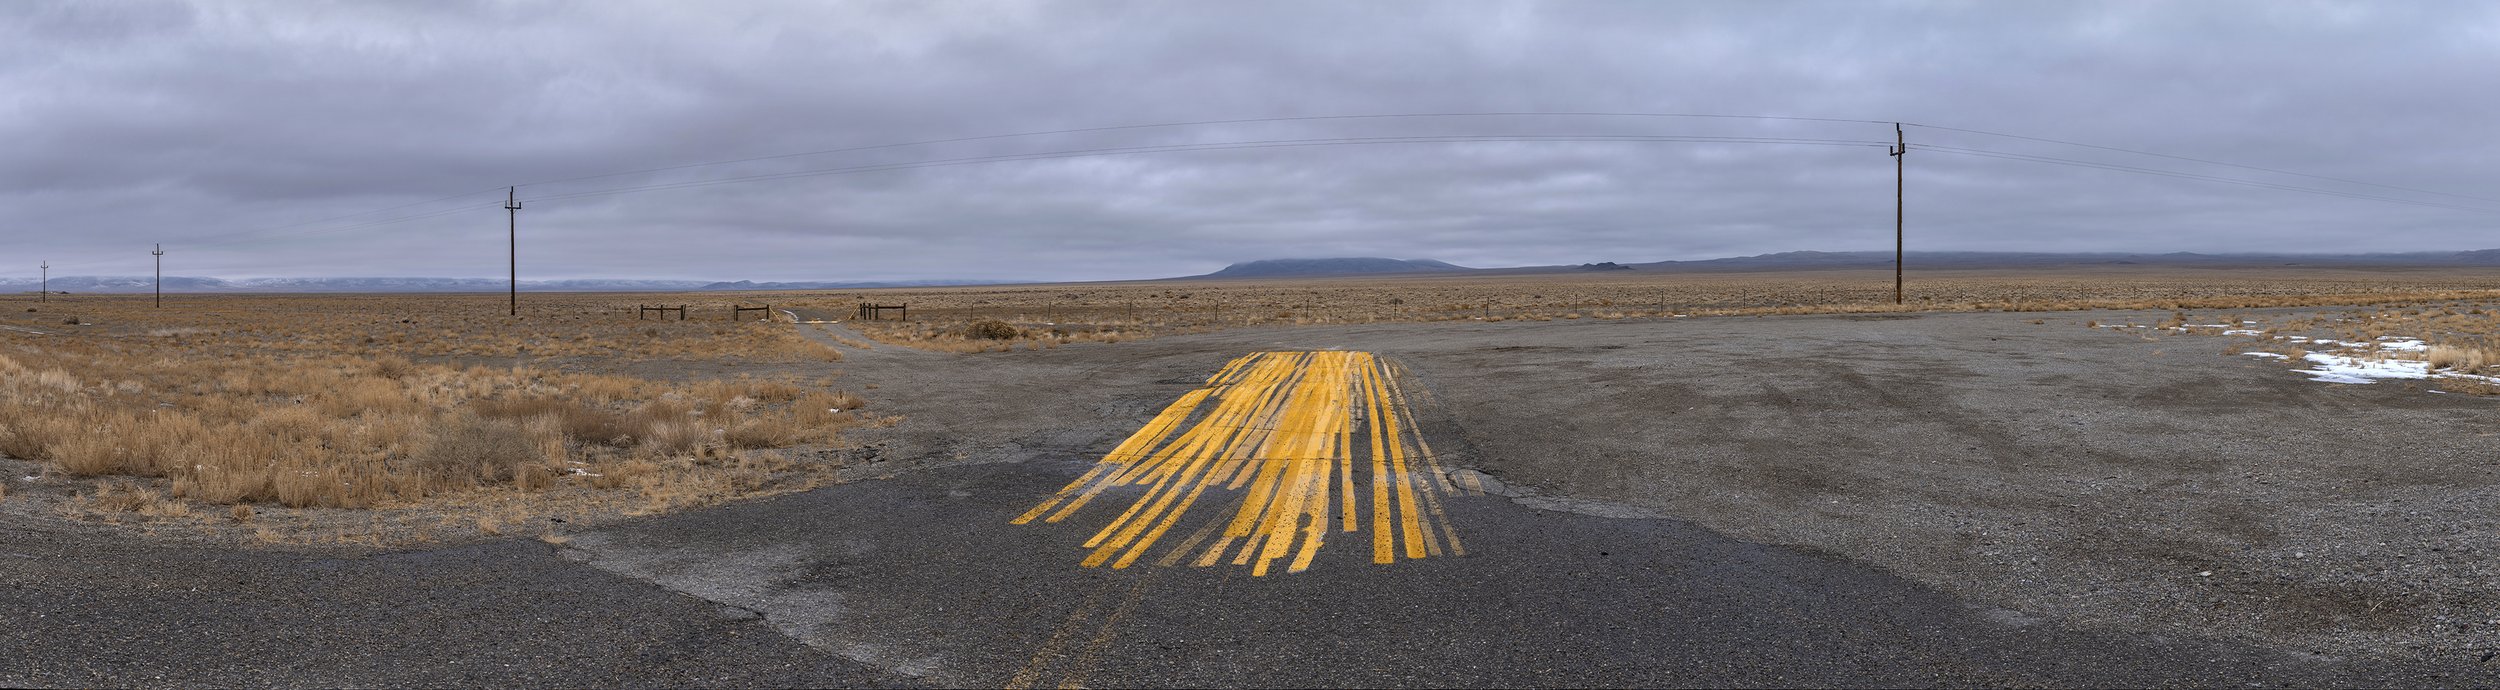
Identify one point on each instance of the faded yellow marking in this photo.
(1283, 431)
(1410, 529)
(1173, 557)
(1041, 658)
(1085, 659)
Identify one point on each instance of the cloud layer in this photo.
(284, 139)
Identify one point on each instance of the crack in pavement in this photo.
(765, 581)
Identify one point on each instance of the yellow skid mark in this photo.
(1282, 431)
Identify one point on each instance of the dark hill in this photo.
(1294, 268)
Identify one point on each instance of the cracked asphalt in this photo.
(1734, 502)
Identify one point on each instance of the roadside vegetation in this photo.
(279, 412)
(1005, 318)
(2453, 344)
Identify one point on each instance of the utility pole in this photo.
(1900, 145)
(45, 294)
(512, 230)
(160, 275)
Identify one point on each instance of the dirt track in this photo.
(2053, 471)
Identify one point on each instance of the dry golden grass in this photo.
(1051, 315)
(2462, 358)
(296, 402)
(2458, 336)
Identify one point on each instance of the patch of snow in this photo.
(2389, 342)
(2242, 331)
(2342, 369)
(2272, 355)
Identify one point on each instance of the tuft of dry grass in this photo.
(2463, 359)
(130, 497)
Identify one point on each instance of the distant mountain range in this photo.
(1293, 268)
(126, 284)
(1984, 260)
(1807, 261)
(1313, 268)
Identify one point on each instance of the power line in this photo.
(1210, 146)
(2046, 140)
(1049, 155)
(1035, 156)
(343, 217)
(1984, 153)
(1196, 123)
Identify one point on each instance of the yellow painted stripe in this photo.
(1154, 430)
(1384, 543)
(1397, 392)
(1194, 449)
(1280, 431)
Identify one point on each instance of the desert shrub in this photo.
(664, 426)
(2463, 359)
(591, 425)
(393, 367)
(25, 436)
(767, 432)
(991, 329)
(471, 450)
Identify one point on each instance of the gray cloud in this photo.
(244, 135)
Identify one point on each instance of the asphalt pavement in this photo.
(924, 579)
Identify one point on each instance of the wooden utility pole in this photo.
(512, 233)
(1900, 145)
(44, 294)
(160, 276)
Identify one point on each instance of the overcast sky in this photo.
(269, 138)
